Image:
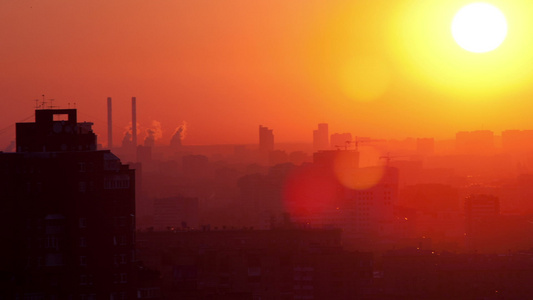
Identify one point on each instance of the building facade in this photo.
(68, 216)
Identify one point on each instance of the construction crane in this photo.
(357, 141)
(388, 157)
(346, 144)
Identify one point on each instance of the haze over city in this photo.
(283, 150)
(380, 68)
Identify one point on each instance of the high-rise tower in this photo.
(67, 220)
(321, 137)
(266, 139)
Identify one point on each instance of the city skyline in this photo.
(266, 150)
(224, 68)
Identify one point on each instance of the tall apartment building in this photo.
(321, 137)
(266, 139)
(67, 221)
(479, 210)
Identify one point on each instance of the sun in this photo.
(479, 27)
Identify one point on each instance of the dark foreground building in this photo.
(249, 264)
(67, 214)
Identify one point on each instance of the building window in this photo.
(123, 277)
(120, 240)
(51, 242)
(83, 222)
(83, 279)
(118, 296)
(117, 182)
(82, 186)
(83, 242)
(119, 221)
(120, 259)
(83, 260)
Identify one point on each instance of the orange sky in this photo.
(381, 68)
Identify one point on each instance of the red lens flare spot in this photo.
(309, 190)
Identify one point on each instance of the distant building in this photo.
(370, 207)
(277, 157)
(67, 220)
(338, 194)
(321, 137)
(195, 166)
(478, 210)
(266, 139)
(144, 154)
(341, 140)
(517, 141)
(329, 158)
(257, 264)
(474, 142)
(176, 213)
(425, 146)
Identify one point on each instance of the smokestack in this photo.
(109, 124)
(134, 122)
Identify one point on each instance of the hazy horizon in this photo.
(381, 69)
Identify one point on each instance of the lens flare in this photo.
(362, 178)
(309, 190)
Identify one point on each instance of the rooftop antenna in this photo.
(43, 103)
(51, 106)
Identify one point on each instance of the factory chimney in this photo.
(109, 124)
(134, 122)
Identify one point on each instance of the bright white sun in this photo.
(479, 27)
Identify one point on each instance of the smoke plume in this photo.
(179, 135)
(153, 133)
(126, 140)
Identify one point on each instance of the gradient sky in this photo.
(382, 68)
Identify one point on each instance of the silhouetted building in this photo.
(277, 157)
(67, 218)
(266, 139)
(321, 137)
(256, 264)
(425, 146)
(347, 159)
(340, 140)
(260, 201)
(144, 154)
(195, 166)
(55, 130)
(517, 141)
(176, 213)
(410, 274)
(423, 274)
(474, 142)
(478, 210)
(370, 206)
